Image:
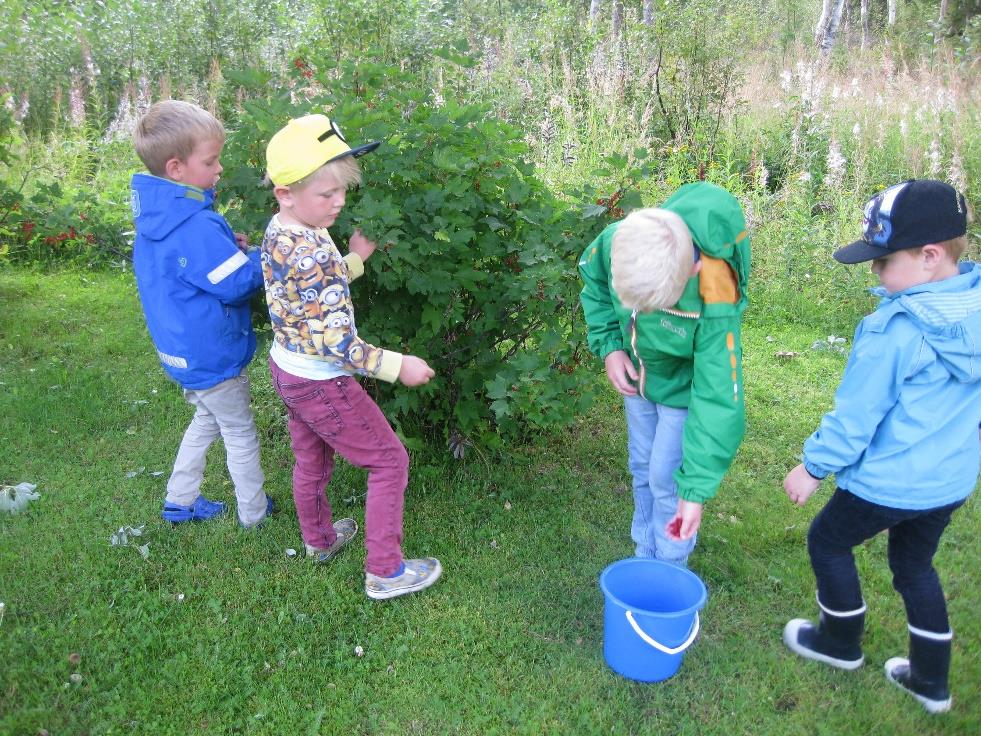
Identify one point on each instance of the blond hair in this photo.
(651, 259)
(345, 170)
(171, 129)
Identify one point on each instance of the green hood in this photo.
(718, 228)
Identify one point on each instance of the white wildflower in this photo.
(835, 165)
(762, 176)
(856, 130)
(25, 105)
(933, 157)
(956, 174)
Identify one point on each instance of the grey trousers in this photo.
(224, 411)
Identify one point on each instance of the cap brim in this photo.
(356, 152)
(859, 252)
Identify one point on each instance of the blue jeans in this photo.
(654, 434)
(847, 521)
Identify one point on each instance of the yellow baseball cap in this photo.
(306, 144)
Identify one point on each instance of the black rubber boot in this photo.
(836, 640)
(924, 674)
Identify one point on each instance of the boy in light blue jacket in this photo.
(195, 282)
(903, 439)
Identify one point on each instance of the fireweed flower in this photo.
(835, 166)
(955, 174)
(933, 156)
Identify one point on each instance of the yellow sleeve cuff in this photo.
(391, 364)
(355, 266)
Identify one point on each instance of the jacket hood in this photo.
(948, 313)
(161, 205)
(716, 222)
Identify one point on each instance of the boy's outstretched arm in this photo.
(799, 485)
(414, 371)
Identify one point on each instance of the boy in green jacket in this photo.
(664, 292)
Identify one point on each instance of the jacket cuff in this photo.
(355, 266)
(694, 495)
(814, 471)
(391, 364)
(610, 347)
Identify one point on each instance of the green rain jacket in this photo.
(688, 356)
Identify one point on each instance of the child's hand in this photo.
(242, 241)
(686, 521)
(361, 245)
(799, 485)
(621, 372)
(414, 371)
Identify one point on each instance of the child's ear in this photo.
(283, 195)
(174, 169)
(933, 254)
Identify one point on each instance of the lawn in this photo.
(219, 631)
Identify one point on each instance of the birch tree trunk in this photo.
(617, 30)
(891, 12)
(648, 18)
(822, 23)
(944, 6)
(865, 24)
(831, 33)
(594, 11)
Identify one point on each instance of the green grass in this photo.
(219, 632)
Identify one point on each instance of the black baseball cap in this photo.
(907, 215)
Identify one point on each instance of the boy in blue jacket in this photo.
(195, 282)
(903, 437)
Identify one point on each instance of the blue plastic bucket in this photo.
(650, 617)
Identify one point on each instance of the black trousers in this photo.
(847, 521)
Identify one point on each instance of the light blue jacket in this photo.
(904, 430)
(194, 282)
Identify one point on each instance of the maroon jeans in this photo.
(337, 415)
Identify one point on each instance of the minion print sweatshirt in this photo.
(306, 281)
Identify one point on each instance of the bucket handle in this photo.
(657, 645)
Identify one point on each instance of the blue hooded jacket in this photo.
(904, 430)
(194, 282)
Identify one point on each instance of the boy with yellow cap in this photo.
(317, 353)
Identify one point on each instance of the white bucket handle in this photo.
(657, 645)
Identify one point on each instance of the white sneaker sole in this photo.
(382, 595)
(931, 705)
(790, 639)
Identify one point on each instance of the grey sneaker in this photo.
(346, 530)
(418, 575)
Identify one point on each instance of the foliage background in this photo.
(589, 117)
